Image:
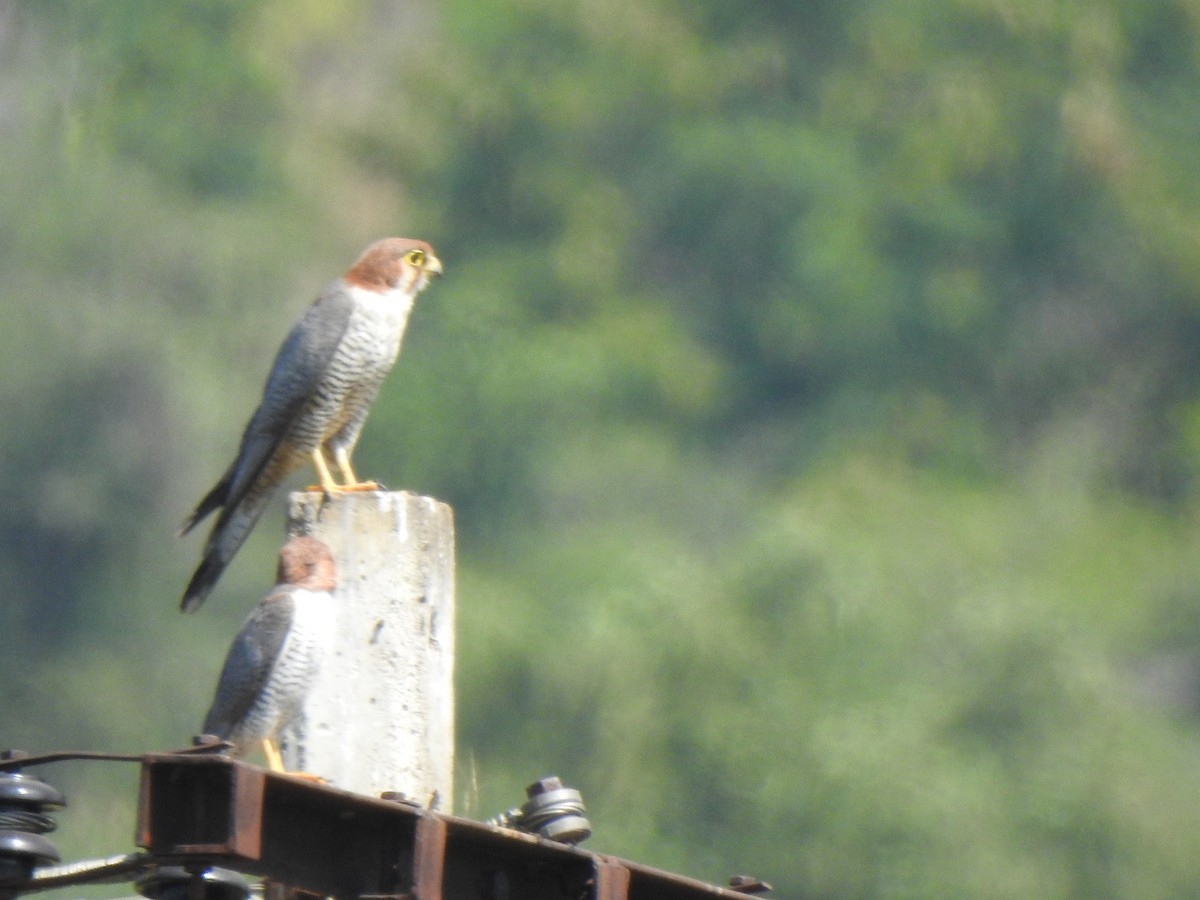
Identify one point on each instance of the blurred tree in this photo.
(814, 383)
(176, 87)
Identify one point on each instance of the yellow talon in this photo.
(328, 485)
(274, 757)
(342, 458)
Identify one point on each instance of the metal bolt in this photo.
(399, 797)
(181, 882)
(748, 884)
(552, 811)
(510, 818)
(555, 812)
(25, 802)
(213, 743)
(543, 785)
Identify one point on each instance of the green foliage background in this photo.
(816, 385)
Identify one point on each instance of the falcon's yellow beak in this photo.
(432, 265)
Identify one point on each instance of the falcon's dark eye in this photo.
(415, 258)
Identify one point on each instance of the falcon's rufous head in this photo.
(306, 562)
(395, 264)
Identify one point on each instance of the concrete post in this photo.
(381, 715)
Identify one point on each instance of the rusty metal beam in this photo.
(321, 840)
(306, 835)
(612, 879)
(429, 858)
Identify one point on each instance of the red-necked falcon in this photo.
(277, 653)
(321, 386)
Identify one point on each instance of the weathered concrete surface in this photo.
(381, 715)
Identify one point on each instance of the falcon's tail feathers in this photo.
(228, 534)
(202, 582)
(213, 500)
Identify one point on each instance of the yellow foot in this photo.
(308, 776)
(321, 489)
(270, 750)
(362, 486)
(345, 488)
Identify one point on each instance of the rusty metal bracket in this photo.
(320, 840)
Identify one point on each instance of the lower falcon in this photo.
(277, 653)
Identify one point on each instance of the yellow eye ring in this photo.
(415, 258)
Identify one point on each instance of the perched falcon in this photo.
(317, 396)
(277, 653)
